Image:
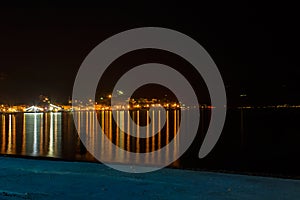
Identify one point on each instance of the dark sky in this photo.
(255, 46)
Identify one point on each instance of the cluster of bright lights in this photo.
(33, 109)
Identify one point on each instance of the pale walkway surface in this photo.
(42, 179)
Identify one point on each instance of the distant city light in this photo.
(119, 92)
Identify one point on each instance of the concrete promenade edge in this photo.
(44, 179)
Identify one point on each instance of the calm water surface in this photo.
(54, 134)
(264, 141)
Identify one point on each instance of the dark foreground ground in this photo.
(44, 179)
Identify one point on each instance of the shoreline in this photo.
(242, 173)
(45, 179)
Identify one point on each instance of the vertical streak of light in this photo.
(167, 127)
(24, 135)
(78, 123)
(107, 127)
(133, 129)
(3, 134)
(96, 126)
(147, 138)
(9, 135)
(117, 127)
(87, 129)
(175, 134)
(92, 130)
(55, 134)
(147, 133)
(78, 129)
(50, 149)
(123, 128)
(159, 136)
(128, 134)
(137, 148)
(59, 137)
(137, 131)
(153, 131)
(46, 133)
(14, 137)
(159, 130)
(107, 124)
(110, 135)
(121, 135)
(178, 128)
(175, 122)
(35, 135)
(167, 134)
(117, 134)
(103, 133)
(41, 135)
(91, 123)
(178, 119)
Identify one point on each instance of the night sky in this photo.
(255, 46)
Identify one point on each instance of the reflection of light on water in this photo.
(117, 128)
(35, 150)
(149, 144)
(87, 125)
(11, 145)
(137, 132)
(9, 135)
(128, 136)
(3, 134)
(159, 134)
(102, 135)
(167, 134)
(50, 148)
(40, 134)
(122, 124)
(14, 141)
(127, 149)
(24, 136)
(108, 128)
(120, 134)
(55, 133)
(147, 132)
(175, 150)
(92, 128)
(54, 147)
(153, 131)
(31, 134)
